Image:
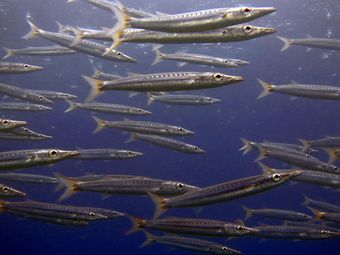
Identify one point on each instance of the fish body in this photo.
(8, 124)
(229, 34)
(23, 94)
(145, 127)
(28, 178)
(17, 68)
(181, 99)
(12, 160)
(327, 142)
(18, 106)
(188, 243)
(311, 42)
(187, 226)
(23, 133)
(86, 46)
(53, 95)
(9, 192)
(225, 191)
(107, 108)
(39, 51)
(278, 213)
(319, 178)
(106, 154)
(169, 143)
(322, 204)
(301, 90)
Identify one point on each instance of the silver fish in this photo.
(327, 142)
(8, 124)
(23, 94)
(107, 108)
(23, 133)
(17, 68)
(106, 154)
(38, 51)
(322, 204)
(191, 21)
(18, 106)
(323, 43)
(11, 160)
(28, 178)
(188, 243)
(53, 95)
(229, 34)
(146, 127)
(88, 47)
(301, 90)
(105, 76)
(278, 213)
(9, 192)
(181, 99)
(200, 59)
(171, 81)
(167, 143)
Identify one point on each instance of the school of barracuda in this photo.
(136, 26)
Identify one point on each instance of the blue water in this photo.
(218, 127)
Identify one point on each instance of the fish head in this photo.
(133, 154)
(179, 131)
(250, 13)
(139, 111)
(120, 56)
(220, 79)
(6, 191)
(92, 215)
(276, 178)
(209, 100)
(193, 149)
(238, 230)
(43, 107)
(174, 188)
(31, 68)
(249, 31)
(62, 95)
(10, 124)
(323, 233)
(53, 155)
(109, 214)
(40, 98)
(219, 249)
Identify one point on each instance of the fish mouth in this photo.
(237, 78)
(215, 100)
(295, 173)
(45, 136)
(266, 10)
(71, 153)
(21, 123)
(37, 68)
(20, 193)
(268, 30)
(188, 132)
(130, 59)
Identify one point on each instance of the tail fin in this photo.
(71, 186)
(96, 72)
(9, 53)
(132, 138)
(73, 105)
(319, 215)
(249, 212)
(333, 154)
(122, 23)
(159, 205)
(95, 87)
(158, 54)
(138, 223)
(151, 98)
(247, 146)
(267, 87)
(263, 153)
(265, 168)
(78, 36)
(100, 124)
(149, 239)
(287, 43)
(307, 200)
(305, 143)
(34, 32)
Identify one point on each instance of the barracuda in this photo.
(17, 68)
(8, 124)
(38, 51)
(182, 99)
(18, 106)
(9, 192)
(323, 43)
(23, 133)
(106, 154)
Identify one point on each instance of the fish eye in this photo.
(195, 148)
(323, 232)
(224, 249)
(92, 214)
(276, 177)
(218, 77)
(336, 168)
(247, 29)
(180, 186)
(139, 110)
(246, 10)
(52, 153)
(241, 228)
(307, 155)
(5, 189)
(41, 97)
(26, 66)
(180, 129)
(119, 53)
(5, 122)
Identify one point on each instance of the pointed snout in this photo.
(265, 10)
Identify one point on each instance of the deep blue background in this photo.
(218, 127)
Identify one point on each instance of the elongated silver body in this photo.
(181, 99)
(17, 68)
(11, 160)
(302, 90)
(23, 94)
(107, 108)
(327, 142)
(195, 21)
(28, 178)
(322, 204)
(8, 124)
(106, 154)
(312, 42)
(39, 51)
(319, 178)
(230, 34)
(9, 192)
(23, 133)
(294, 232)
(18, 106)
(278, 213)
(88, 47)
(169, 143)
(193, 226)
(145, 127)
(53, 95)
(193, 244)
